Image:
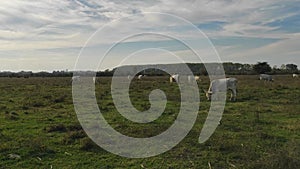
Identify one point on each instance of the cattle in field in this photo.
(295, 75)
(190, 78)
(75, 78)
(218, 85)
(94, 80)
(266, 77)
(140, 77)
(174, 78)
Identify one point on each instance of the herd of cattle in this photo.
(230, 83)
(215, 86)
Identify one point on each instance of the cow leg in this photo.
(233, 93)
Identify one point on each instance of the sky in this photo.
(49, 35)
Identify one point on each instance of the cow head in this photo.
(208, 94)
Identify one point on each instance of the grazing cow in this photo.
(266, 77)
(174, 78)
(190, 78)
(295, 75)
(216, 86)
(75, 78)
(140, 77)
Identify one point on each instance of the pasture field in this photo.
(260, 130)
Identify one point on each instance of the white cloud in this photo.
(27, 26)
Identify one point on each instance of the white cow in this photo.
(140, 77)
(174, 78)
(94, 80)
(216, 86)
(266, 77)
(190, 78)
(75, 78)
(295, 75)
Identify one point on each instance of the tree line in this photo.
(197, 68)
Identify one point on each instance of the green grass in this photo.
(260, 130)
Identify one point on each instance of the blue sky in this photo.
(48, 35)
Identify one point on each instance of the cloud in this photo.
(280, 52)
(35, 28)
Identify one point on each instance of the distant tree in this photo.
(262, 67)
(247, 67)
(203, 71)
(276, 70)
(283, 67)
(292, 67)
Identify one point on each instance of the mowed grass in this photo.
(260, 130)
